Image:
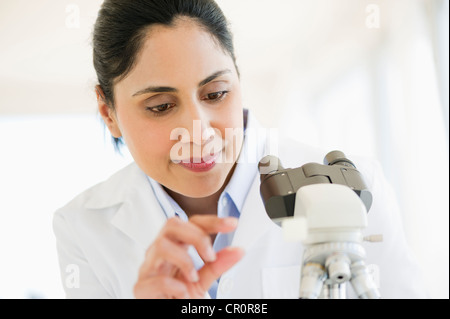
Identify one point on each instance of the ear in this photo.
(107, 113)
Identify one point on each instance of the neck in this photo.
(205, 205)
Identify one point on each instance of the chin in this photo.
(201, 185)
(201, 190)
(198, 194)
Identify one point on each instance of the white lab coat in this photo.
(102, 236)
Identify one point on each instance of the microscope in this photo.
(325, 207)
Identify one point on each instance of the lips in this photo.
(200, 165)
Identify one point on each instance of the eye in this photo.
(216, 96)
(160, 109)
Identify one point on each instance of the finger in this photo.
(190, 234)
(226, 258)
(161, 287)
(165, 258)
(212, 224)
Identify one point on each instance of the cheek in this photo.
(147, 143)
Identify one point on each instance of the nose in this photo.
(198, 123)
(196, 140)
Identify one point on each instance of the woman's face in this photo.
(180, 110)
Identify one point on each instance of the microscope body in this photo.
(325, 207)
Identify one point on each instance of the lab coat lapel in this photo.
(139, 215)
(253, 222)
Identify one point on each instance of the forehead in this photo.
(183, 30)
(177, 54)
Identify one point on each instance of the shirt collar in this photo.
(168, 204)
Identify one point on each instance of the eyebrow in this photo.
(213, 77)
(166, 89)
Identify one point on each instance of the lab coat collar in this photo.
(253, 222)
(139, 214)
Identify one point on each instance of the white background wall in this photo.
(367, 77)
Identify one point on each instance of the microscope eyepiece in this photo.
(337, 158)
(268, 165)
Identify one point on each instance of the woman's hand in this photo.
(168, 271)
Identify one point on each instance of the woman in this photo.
(186, 219)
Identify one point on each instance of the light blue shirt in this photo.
(230, 204)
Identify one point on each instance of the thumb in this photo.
(226, 258)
